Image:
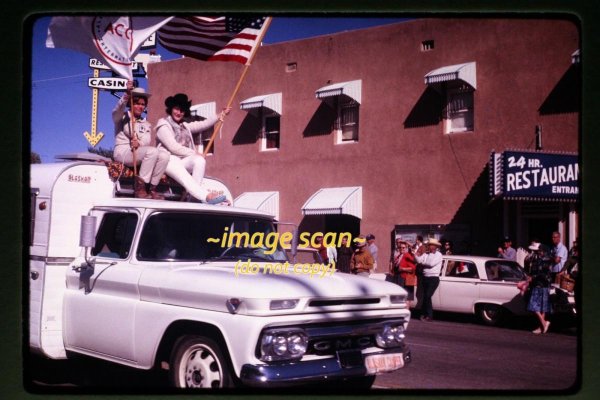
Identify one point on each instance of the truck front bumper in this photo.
(342, 367)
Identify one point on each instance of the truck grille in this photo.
(341, 302)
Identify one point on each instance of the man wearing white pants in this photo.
(175, 135)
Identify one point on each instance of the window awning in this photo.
(340, 200)
(270, 101)
(465, 72)
(351, 89)
(263, 201)
(204, 110)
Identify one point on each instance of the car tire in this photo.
(197, 362)
(491, 314)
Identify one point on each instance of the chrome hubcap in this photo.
(201, 368)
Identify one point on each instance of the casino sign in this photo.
(534, 175)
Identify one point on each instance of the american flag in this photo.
(212, 38)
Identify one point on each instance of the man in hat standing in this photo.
(506, 251)
(153, 161)
(431, 263)
(373, 249)
(362, 260)
(175, 135)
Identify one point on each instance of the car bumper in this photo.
(340, 367)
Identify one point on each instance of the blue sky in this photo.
(61, 101)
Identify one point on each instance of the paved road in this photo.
(451, 353)
(466, 355)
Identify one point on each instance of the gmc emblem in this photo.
(342, 344)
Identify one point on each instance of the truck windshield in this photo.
(181, 236)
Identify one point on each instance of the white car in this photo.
(484, 286)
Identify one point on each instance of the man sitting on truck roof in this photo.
(130, 149)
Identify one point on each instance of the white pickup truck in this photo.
(136, 282)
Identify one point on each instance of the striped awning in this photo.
(263, 201)
(465, 72)
(270, 101)
(340, 200)
(351, 89)
(204, 110)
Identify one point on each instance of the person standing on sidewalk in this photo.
(431, 263)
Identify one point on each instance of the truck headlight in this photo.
(397, 298)
(283, 344)
(286, 304)
(390, 336)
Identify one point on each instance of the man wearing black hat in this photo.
(506, 251)
(175, 135)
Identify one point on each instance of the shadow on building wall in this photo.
(321, 122)
(484, 217)
(249, 130)
(565, 97)
(427, 111)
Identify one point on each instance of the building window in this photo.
(427, 45)
(200, 112)
(201, 139)
(270, 131)
(346, 124)
(458, 115)
(204, 137)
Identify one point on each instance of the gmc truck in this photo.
(138, 282)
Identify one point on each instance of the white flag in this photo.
(115, 40)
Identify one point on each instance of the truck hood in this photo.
(216, 286)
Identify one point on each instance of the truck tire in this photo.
(198, 362)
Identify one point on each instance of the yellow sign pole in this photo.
(94, 137)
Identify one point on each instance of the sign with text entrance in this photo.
(532, 175)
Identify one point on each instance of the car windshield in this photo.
(501, 270)
(183, 236)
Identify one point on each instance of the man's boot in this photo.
(139, 188)
(154, 193)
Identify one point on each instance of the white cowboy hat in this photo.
(534, 246)
(140, 92)
(434, 242)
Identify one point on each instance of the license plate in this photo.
(378, 363)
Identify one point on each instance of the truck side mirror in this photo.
(87, 231)
(87, 240)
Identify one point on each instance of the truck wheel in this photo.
(491, 314)
(197, 362)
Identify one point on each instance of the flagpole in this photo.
(239, 83)
(133, 134)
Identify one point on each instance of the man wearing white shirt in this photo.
(559, 255)
(431, 263)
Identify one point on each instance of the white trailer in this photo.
(61, 193)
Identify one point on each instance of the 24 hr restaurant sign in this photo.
(535, 175)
